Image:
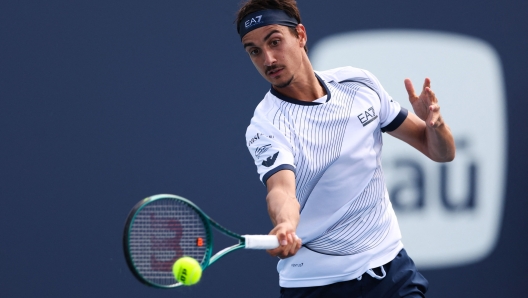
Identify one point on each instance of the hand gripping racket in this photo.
(163, 228)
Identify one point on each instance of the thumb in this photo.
(410, 89)
(281, 236)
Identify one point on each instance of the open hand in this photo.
(426, 105)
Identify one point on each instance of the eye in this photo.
(275, 42)
(253, 52)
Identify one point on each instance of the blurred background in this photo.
(103, 103)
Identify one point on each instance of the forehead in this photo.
(258, 34)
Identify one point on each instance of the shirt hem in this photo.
(323, 281)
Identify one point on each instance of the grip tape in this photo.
(261, 241)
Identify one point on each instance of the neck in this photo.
(305, 86)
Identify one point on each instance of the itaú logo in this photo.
(450, 214)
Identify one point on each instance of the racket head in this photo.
(161, 229)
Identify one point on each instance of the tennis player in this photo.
(316, 140)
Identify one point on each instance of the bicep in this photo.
(412, 132)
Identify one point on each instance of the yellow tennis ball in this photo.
(187, 271)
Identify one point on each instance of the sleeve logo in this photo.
(257, 137)
(270, 160)
(260, 150)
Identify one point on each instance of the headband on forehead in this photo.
(263, 18)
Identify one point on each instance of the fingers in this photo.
(296, 245)
(426, 89)
(426, 84)
(292, 248)
(427, 97)
(425, 105)
(434, 116)
(431, 96)
(283, 238)
(289, 245)
(433, 119)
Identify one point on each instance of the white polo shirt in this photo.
(333, 145)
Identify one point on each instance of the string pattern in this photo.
(162, 232)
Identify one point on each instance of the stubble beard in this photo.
(284, 85)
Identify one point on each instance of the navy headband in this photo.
(263, 18)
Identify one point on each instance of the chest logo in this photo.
(270, 160)
(367, 117)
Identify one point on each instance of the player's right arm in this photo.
(273, 156)
(283, 209)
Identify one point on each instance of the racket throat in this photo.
(225, 251)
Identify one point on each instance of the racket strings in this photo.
(162, 232)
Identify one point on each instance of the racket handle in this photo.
(261, 241)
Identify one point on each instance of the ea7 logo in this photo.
(367, 116)
(253, 21)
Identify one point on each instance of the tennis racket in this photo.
(163, 228)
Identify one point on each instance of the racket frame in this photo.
(207, 261)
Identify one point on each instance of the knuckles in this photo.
(286, 251)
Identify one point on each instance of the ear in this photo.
(301, 31)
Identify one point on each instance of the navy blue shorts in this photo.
(401, 280)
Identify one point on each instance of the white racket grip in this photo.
(261, 241)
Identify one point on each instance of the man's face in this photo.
(276, 53)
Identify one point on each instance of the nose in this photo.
(269, 59)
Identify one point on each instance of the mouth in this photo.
(275, 72)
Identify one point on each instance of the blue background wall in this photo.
(103, 103)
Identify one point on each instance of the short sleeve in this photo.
(269, 148)
(391, 113)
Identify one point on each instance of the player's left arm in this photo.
(425, 129)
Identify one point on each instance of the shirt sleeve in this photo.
(391, 113)
(269, 148)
